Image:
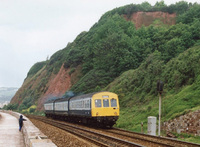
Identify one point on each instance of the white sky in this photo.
(31, 30)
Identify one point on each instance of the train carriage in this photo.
(61, 107)
(100, 108)
(49, 108)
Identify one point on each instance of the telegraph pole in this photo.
(159, 125)
(160, 86)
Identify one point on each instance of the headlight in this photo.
(115, 113)
(97, 113)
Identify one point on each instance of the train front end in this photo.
(105, 108)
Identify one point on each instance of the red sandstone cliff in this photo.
(57, 86)
(148, 18)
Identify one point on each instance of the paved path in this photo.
(9, 131)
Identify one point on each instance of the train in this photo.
(98, 108)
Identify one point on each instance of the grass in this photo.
(173, 105)
(188, 138)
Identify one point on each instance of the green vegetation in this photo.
(10, 107)
(36, 67)
(188, 138)
(116, 56)
(26, 106)
(138, 95)
(180, 8)
(113, 45)
(23, 109)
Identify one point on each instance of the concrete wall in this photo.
(33, 137)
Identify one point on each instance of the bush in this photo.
(27, 102)
(71, 71)
(10, 107)
(36, 67)
(31, 110)
(22, 107)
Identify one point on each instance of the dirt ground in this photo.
(60, 137)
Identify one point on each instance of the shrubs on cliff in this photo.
(115, 50)
(183, 70)
(190, 15)
(36, 67)
(137, 85)
(134, 85)
(137, 89)
(113, 45)
(179, 8)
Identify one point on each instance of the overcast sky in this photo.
(31, 30)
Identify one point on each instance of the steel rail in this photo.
(170, 141)
(83, 136)
(64, 126)
(140, 138)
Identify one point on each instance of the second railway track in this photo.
(114, 137)
(163, 141)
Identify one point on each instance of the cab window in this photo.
(98, 103)
(105, 103)
(113, 102)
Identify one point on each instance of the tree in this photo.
(10, 107)
(191, 15)
(159, 5)
(146, 6)
(181, 7)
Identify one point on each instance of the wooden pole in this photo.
(141, 127)
(159, 114)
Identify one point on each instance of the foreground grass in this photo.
(189, 138)
(173, 105)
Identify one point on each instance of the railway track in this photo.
(115, 136)
(96, 138)
(163, 141)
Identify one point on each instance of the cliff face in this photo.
(148, 18)
(57, 86)
(30, 83)
(44, 84)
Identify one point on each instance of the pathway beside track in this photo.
(10, 136)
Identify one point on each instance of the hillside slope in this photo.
(113, 46)
(52, 78)
(139, 98)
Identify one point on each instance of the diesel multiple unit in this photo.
(100, 108)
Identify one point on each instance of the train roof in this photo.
(77, 97)
(52, 100)
(74, 97)
(66, 99)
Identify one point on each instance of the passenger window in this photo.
(105, 103)
(113, 102)
(98, 103)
